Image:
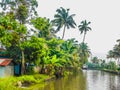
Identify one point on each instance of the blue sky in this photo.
(103, 14)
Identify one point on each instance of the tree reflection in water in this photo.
(84, 80)
(74, 82)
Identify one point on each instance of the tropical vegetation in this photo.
(31, 40)
(112, 62)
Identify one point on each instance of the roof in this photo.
(5, 61)
(2, 49)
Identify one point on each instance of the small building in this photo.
(6, 67)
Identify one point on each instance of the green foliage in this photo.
(43, 26)
(22, 13)
(115, 53)
(101, 64)
(84, 52)
(51, 54)
(8, 83)
(112, 65)
(30, 70)
(37, 49)
(21, 29)
(94, 65)
(2, 30)
(118, 68)
(22, 9)
(5, 27)
(95, 60)
(40, 23)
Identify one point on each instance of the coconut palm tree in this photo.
(83, 28)
(63, 19)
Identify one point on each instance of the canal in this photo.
(84, 80)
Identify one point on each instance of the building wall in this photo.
(2, 69)
(9, 71)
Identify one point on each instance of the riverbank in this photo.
(15, 83)
(112, 71)
(25, 81)
(106, 70)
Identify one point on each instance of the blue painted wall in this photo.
(17, 69)
(2, 69)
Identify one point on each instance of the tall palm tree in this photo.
(63, 19)
(83, 28)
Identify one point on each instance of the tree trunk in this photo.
(42, 69)
(118, 62)
(63, 31)
(22, 63)
(84, 37)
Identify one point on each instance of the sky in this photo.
(104, 16)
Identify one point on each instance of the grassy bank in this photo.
(106, 70)
(15, 83)
(23, 82)
(112, 71)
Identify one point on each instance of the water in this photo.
(85, 80)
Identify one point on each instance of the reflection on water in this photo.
(85, 80)
(99, 80)
(75, 82)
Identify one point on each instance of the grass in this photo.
(11, 83)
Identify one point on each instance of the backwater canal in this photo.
(84, 80)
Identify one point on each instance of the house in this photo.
(6, 67)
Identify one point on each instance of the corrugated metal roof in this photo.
(5, 61)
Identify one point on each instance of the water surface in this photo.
(84, 80)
